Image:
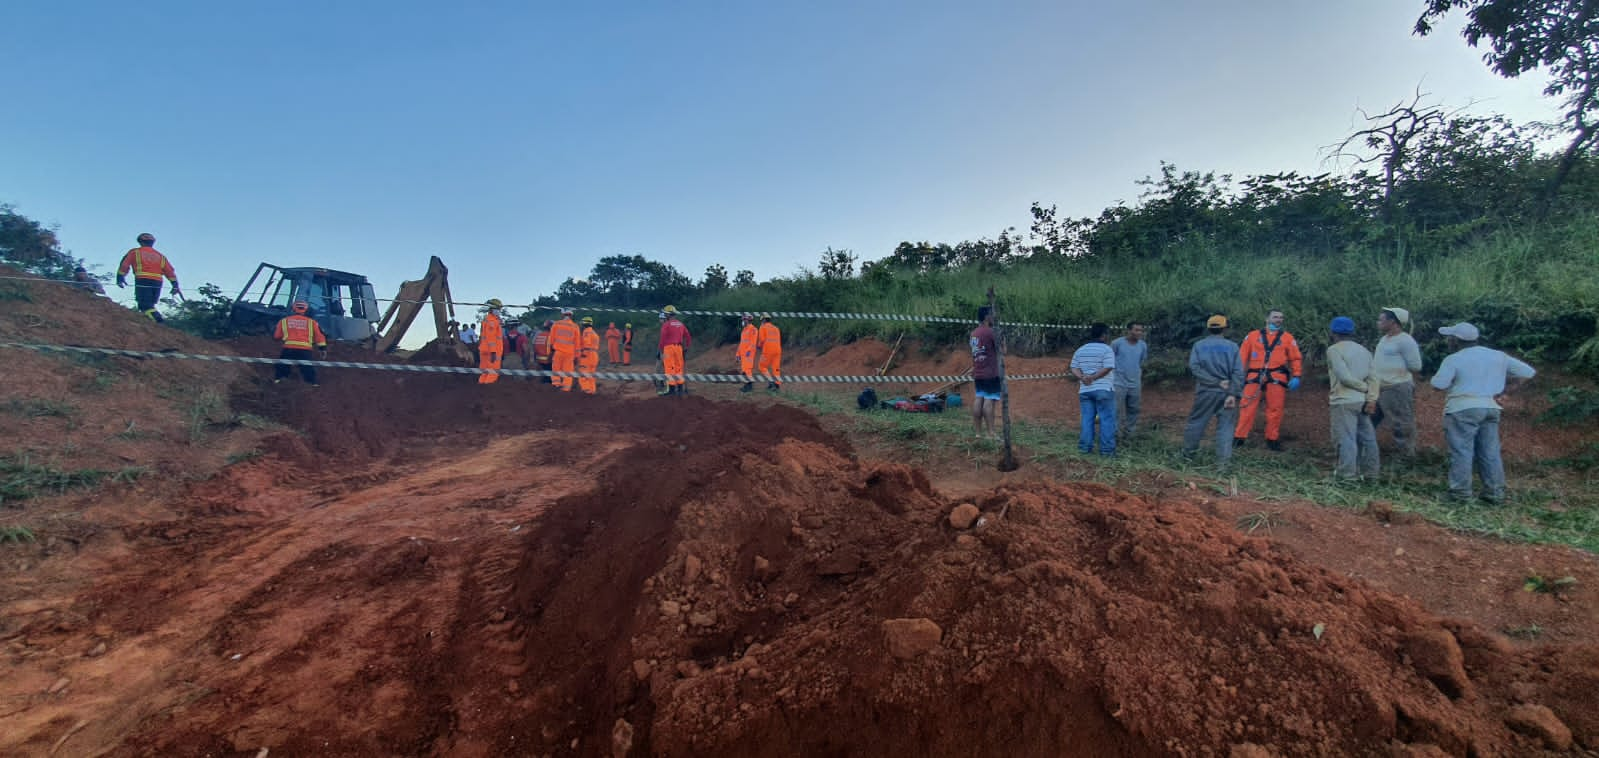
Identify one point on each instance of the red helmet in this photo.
(300, 306)
(146, 238)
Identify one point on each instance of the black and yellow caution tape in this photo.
(614, 376)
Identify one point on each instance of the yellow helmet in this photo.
(589, 320)
(670, 309)
(766, 317)
(494, 302)
(627, 326)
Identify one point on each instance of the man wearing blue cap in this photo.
(1352, 400)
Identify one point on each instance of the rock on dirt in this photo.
(692, 566)
(670, 608)
(1435, 654)
(621, 738)
(963, 516)
(908, 638)
(1540, 722)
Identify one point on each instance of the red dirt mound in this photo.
(795, 603)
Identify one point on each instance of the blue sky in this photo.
(522, 141)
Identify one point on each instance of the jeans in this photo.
(1355, 439)
(1211, 404)
(1100, 405)
(1397, 403)
(1473, 437)
(1129, 401)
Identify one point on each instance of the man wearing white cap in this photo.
(1396, 359)
(1474, 376)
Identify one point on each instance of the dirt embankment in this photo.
(429, 566)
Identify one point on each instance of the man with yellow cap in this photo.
(1395, 362)
(1218, 371)
(588, 357)
(673, 344)
(491, 343)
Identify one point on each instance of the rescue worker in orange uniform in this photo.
(588, 357)
(298, 333)
(674, 342)
(613, 343)
(564, 340)
(541, 349)
(148, 266)
(769, 343)
(1272, 366)
(746, 352)
(491, 343)
(627, 344)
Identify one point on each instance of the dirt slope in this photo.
(426, 566)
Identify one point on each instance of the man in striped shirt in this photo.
(1094, 364)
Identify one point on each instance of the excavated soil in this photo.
(426, 566)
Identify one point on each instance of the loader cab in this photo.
(343, 304)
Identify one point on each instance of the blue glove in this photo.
(121, 281)
(1293, 384)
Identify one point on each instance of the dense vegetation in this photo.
(1459, 227)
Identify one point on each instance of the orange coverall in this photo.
(770, 344)
(1270, 360)
(674, 340)
(627, 347)
(564, 339)
(613, 344)
(490, 348)
(746, 351)
(589, 359)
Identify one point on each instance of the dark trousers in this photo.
(147, 292)
(282, 370)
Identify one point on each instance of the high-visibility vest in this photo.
(147, 263)
(541, 345)
(747, 340)
(491, 336)
(770, 339)
(299, 332)
(591, 340)
(564, 336)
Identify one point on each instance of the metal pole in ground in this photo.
(1008, 462)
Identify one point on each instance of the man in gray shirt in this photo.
(1397, 358)
(1131, 351)
(1218, 381)
(1474, 376)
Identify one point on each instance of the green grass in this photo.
(35, 408)
(22, 479)
(16, 535)
(1518, 285)
(1545, 505)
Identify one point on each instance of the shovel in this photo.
(1008, 462)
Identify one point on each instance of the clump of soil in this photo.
(788, 601)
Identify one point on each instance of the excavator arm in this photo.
(433, 286)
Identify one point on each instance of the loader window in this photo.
(281, 291)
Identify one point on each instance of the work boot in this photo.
(664, 392)
(748, 387)
(1275, 446)
(1239, 441)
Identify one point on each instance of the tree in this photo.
(1560, 36)
(837, 265)
(715, 279)
(1390, 133)
(744, 278)
(32, 247)
(208, 316)
(618, 276)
